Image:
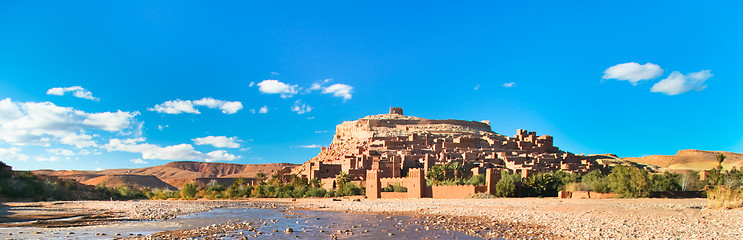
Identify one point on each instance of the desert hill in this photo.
(170, 175)
(136, 181)
(690, 159)
(611, 160)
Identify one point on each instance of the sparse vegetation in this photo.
(724, 187)
(25, 185)
(725, 197)
(395, 188)
(453, 173)
(627, 181)
(508, 184)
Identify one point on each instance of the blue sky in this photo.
(93, 84)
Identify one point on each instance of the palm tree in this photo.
(720, 159)
(315, 182)
(261, 177)
(455, 170)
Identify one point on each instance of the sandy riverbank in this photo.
(510, 218)
(86, 213)
(567, 218)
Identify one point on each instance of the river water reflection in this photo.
(271, 222)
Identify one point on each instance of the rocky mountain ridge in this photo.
(171, 175)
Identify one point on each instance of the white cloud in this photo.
(175, 107)
(301, 107)
(162, 127)
(174, 152)
(226, 106)
(12, 154)
(151, 151)
(219, 155)
(633, 72)
(271, 86)
(139, 161)
(319, 85)
(339, 90)
(43, 123)
(77, 91)
(477, 87)
(509, 84)
(218, 141)
(110, 121)
(47, 159)
(263, 110)
(323, 131)
(310, 146)
(187, 106)
(61, 152)
(251, 84)
(78, 140)
(677, 83)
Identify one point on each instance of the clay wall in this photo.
(453, 191)
(373, 189)
(328, 183)
(387, 195)
(384, 182)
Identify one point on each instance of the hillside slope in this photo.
(690, 159)
(163, 175)
(129, 180)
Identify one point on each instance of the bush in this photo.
(481, 196)
(395, 188)
(477, 180)
(724, 197)
(164, 194)
(690, 181)
(506, 186)
(630, 182)
(542, 185)
(447, 174)
(574, 187)
(666, 182)
(595, 181)
(316, 192)
(189, 191)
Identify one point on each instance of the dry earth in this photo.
(568, 218)
(539, 218)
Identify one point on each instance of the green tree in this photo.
(276, 179)
(630, 181)
(260, 177)
(542, 185)
(5, 171)
(189, 190)
(447, 174)
(720, 159)
(507, 185)
(595, 181)
(564, 178)
(690, 181)
(345, 187)
(315, 183)
(476, 180)
(666, 182)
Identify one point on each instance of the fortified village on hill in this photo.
(387, 149)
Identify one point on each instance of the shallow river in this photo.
(306, 225)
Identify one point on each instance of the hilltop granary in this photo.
(386, 149)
